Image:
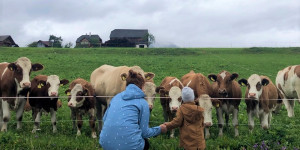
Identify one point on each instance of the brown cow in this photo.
(44, 86)
(14, 82)
(109, 80)
(225, 86)
(261, 99)
(170, 93)
(202, 89)
(79, 104)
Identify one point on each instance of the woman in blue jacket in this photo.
(127, 118)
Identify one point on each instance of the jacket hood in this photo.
(191, 112)
(132, 92)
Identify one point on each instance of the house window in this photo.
(84, 43)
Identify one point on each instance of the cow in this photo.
(203, 91)
(288, 85)
(15, 83)
(261, 99)
(170, 98)
(47, 87)
(225, 86)
(81, 101)
(108, 81)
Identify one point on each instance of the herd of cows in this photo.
(224, 93)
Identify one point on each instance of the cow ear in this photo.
(64, 82)
(212, 77)
(68, 92)
(37, 67)
(243, 82)
(149, 75)
(41, 84)
(216, 102)
(234, 76)
(123, 76)
(12, 66)
(158, 89)
(264, 82)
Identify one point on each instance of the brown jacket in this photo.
(189, 118)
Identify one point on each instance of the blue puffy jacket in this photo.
(126, 121)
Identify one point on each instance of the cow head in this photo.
(53, 84)
(206, 103)
(174, 95)
(22, 69)
(76, 95)
(149, 90)
(254, 86)
(224, 82)
(148, 76)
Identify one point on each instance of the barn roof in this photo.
(4, 37)
(89, 37)
(46, 43)
(128, 33)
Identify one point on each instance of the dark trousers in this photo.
(147, 145)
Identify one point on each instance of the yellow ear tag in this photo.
(217, 105)
(68, 93)
(212, 79)
(166, 95)
(40, 85)
(148, 78)
(85, 94)
(61, 85)
(10, 68)
(243, 84)
(123, 78)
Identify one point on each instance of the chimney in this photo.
(90, 33)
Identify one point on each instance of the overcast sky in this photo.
(185, 23)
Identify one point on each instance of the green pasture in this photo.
(73, 63)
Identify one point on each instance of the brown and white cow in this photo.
(261, 99)
(288, 84)
(109, 80)
(15, 82)
(44, 86)
(81, 101)
(225, 86)
(170, 98)
(202, 89)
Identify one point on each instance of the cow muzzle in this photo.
(207, 124)
(26, 85)
(252, 96)
(223, 92)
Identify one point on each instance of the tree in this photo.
(57, 41)
(33, 44)
(69, 45)
(149, 38)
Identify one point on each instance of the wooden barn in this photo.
(87, 41)
(41, 43)
(137, 37)
(7, 41)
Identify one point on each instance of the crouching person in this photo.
(189, 118)
(126, 119)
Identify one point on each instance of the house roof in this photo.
(123, 33)
(89, 37)
(46, 43)
(4, 37)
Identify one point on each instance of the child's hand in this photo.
(163, 128)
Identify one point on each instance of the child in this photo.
(189, 118)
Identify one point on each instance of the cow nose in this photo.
(207, 124)
(174, 108)
(53, 93)
(222, 91)
(27, 84)
(252, 95)
(70, 104)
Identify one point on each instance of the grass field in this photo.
(74, 63)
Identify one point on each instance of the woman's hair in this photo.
(135, 78)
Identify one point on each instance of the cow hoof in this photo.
(172, 136)
(54, 130)
(33, 131)
(236, 135)
(3, 130)
(265, 127)
(78, 133)
(220, 134)
(94, 135)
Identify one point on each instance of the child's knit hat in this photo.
(188, 94)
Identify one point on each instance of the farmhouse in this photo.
(7, 41)
(41, 43)
(89, 41)
(137, 37)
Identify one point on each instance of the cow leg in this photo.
(36, 118)
(73, 117)
(99, 113)
(53, 119)
(220, 120)
(92, 122)
(269, 119)
(1, 114)
(79, 124)
(289, 105)
(171, 116)
(235, 121)
(19, 113)
(165, 114)
(251, 120)
(264, 120)
(6, 115)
